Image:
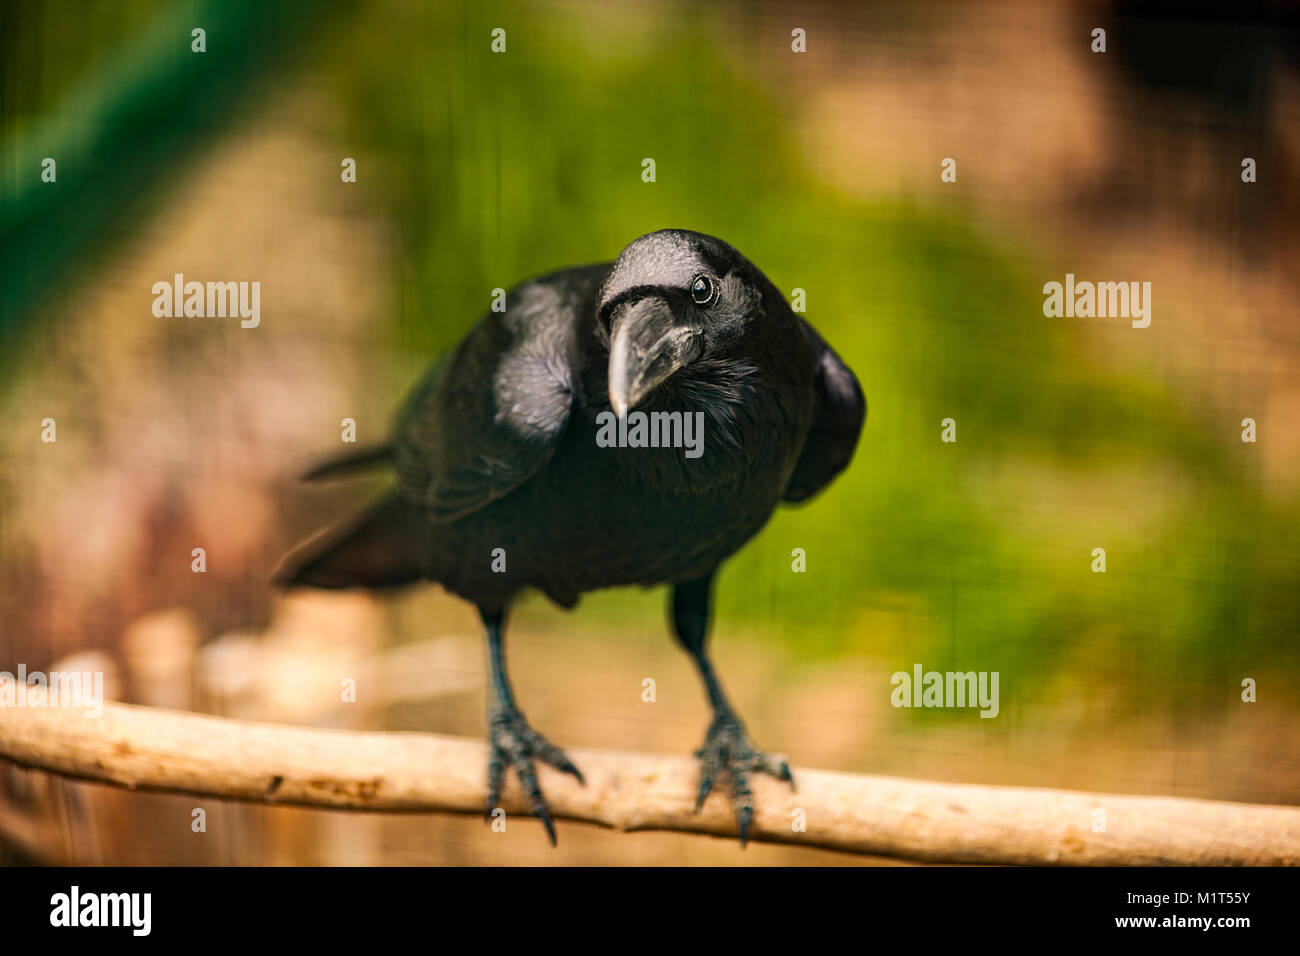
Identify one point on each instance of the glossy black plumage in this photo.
(496, 448)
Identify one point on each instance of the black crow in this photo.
(504, 480)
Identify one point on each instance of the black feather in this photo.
(367, 456)
(495, 453)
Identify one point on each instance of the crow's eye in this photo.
(704, 289)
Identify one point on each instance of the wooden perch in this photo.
(149, 749)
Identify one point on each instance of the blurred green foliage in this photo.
(116, 96)
(968, 556)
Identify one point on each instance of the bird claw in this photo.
(728, 750)
(511, 741)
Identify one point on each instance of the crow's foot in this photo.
(512, 742)
(728, 750)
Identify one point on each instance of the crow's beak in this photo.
(646, 347)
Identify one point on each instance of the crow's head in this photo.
(675, 297)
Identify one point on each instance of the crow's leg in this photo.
(727, 748)
(510, 740)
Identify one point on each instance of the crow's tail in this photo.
(367, 456)
(375, 551)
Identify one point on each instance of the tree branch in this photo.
(150, 749)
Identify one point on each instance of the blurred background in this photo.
(475, 170)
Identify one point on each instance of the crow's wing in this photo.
(839, 410)
(490, 416)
